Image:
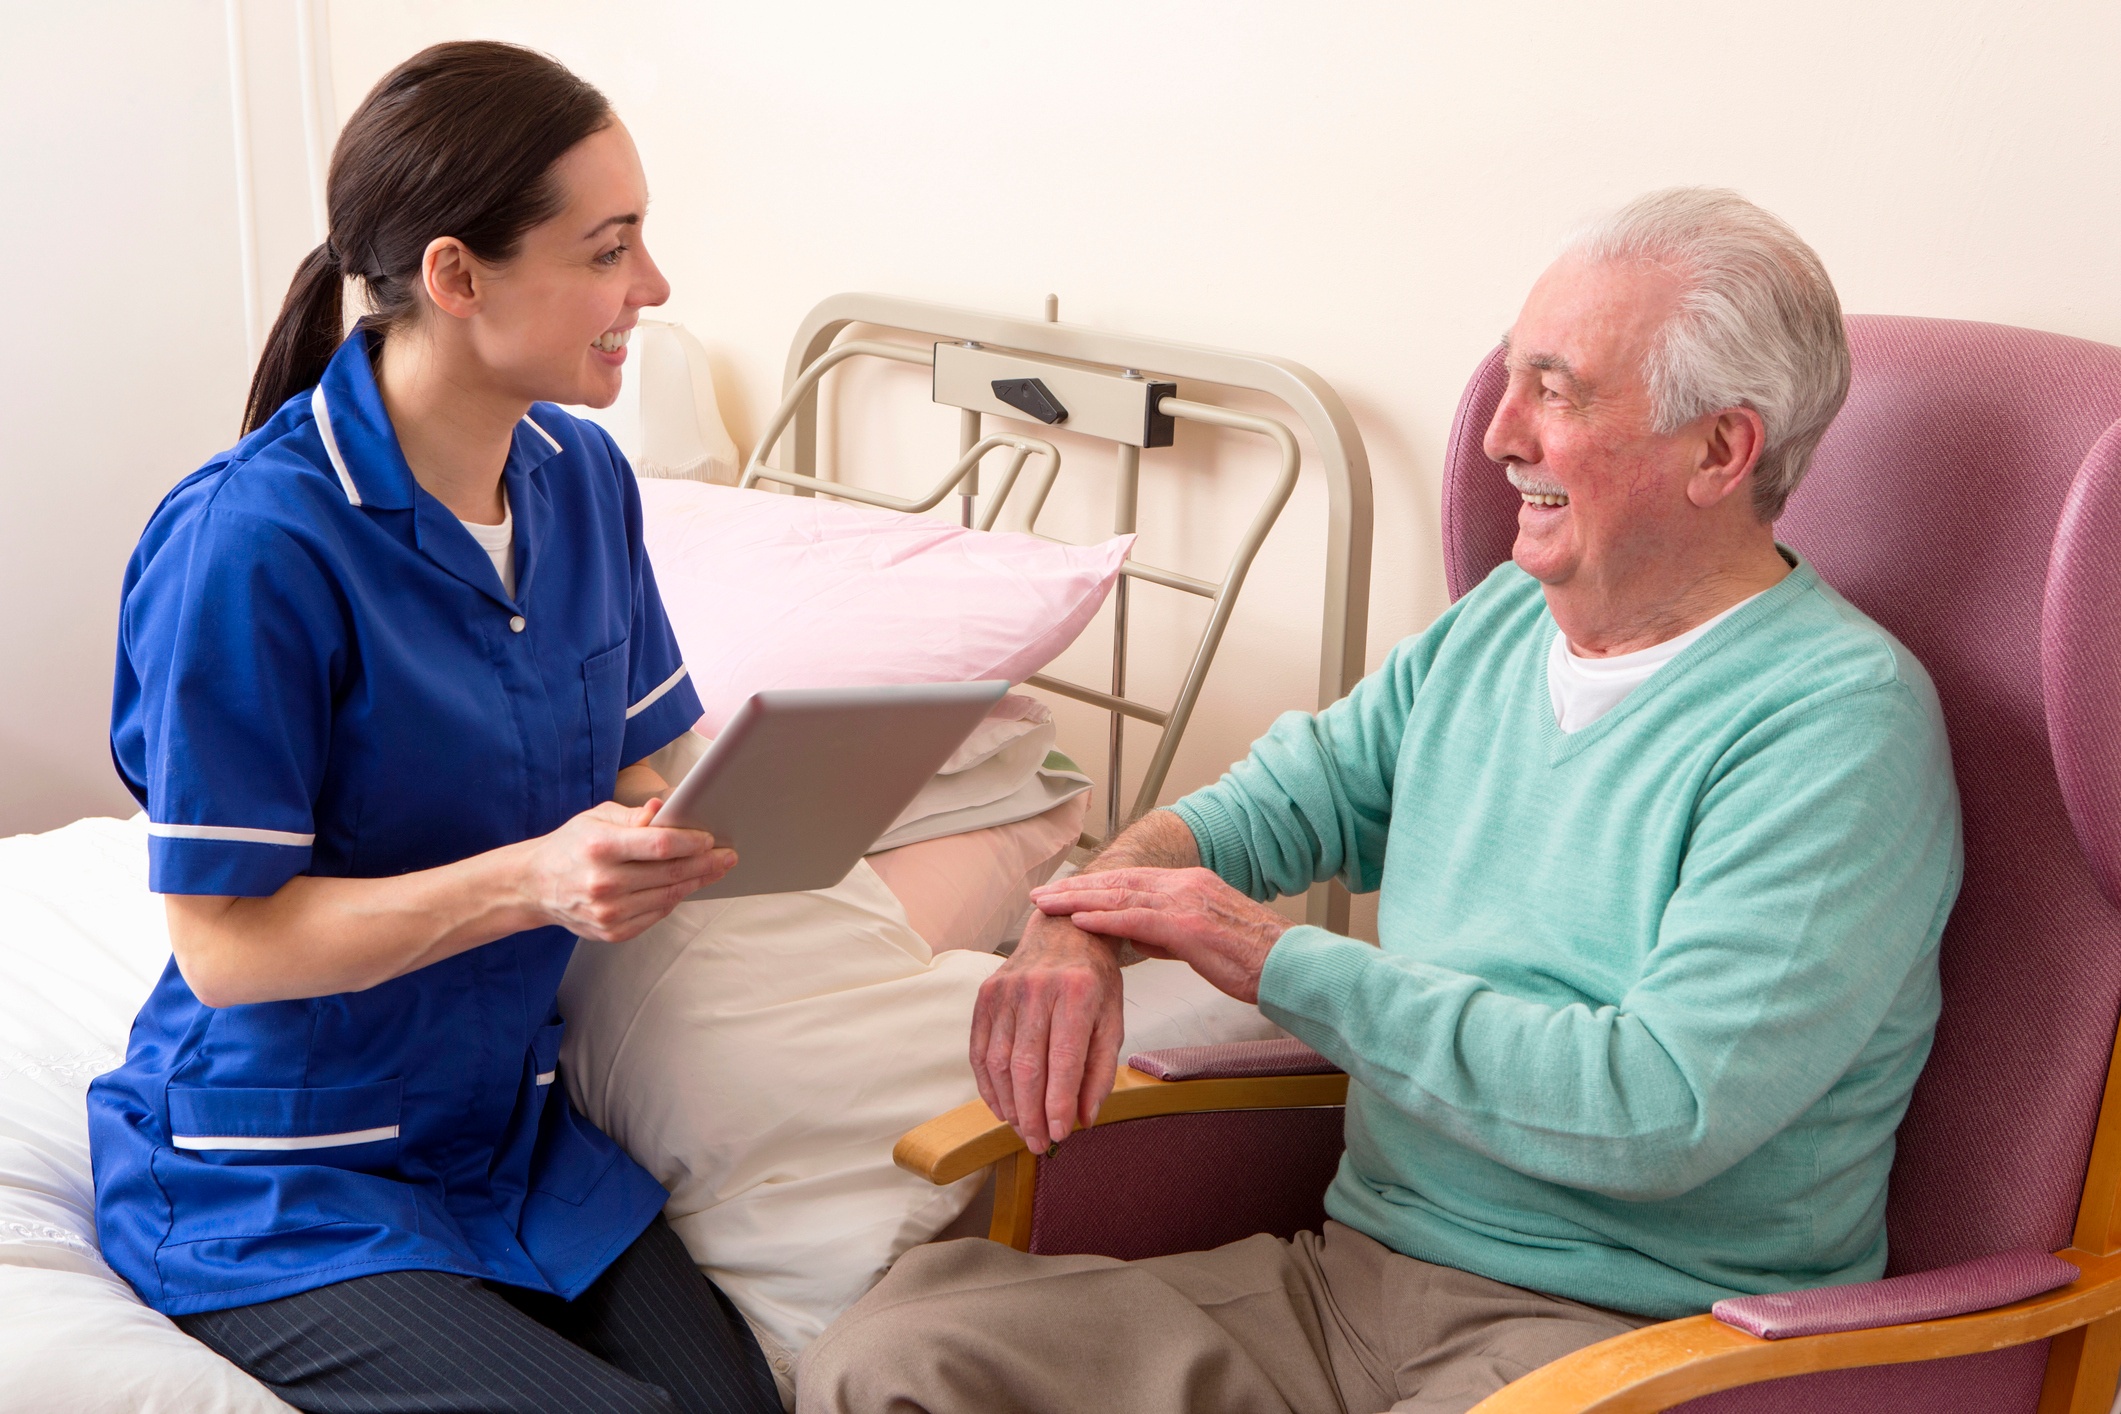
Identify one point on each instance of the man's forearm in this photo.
(1159, 840)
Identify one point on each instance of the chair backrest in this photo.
(1968, 498)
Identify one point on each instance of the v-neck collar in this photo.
(1563, 747)
(363, 450)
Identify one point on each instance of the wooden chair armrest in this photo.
(970, 1137)
(1659, 1366)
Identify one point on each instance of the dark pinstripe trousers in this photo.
(652, 1334)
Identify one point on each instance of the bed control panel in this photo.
(1117, 405)
(1031, 395)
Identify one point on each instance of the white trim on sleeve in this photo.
(649, 701)
(322, 409)
(546, 1077)
(550, 440)
(232, 834)
(291, 1141)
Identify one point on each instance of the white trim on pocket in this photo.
(546, 1077)
(231, 834)
(650, 700)
(290, 1141)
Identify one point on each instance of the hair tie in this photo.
(331, 254)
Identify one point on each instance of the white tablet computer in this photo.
(803, 780)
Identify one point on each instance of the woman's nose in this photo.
(651, 288)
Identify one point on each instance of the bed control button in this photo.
(515, 625)
(1030, 395)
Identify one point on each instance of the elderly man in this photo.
(1665, 834)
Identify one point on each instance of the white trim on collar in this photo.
(550, 440)
(322, 410)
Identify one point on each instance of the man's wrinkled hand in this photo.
(1046, 1032)
(1189, 914)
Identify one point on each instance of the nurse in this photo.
(389, 677)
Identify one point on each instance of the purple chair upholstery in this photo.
(1968, 498)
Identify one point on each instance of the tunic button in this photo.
(515, 625)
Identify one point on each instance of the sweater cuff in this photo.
(1310, 980)
(1220, 838)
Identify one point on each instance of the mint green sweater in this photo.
(1651, 997)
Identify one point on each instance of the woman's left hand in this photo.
(1189, 914)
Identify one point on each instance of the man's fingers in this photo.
(1001, 1046)
(1104, 900)
(1102, 1067)
(1068, 1045)
(983, 1010)
(1160, 928)
(1027, 1073)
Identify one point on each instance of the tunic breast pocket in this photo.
(341, 1126)
(604, 693)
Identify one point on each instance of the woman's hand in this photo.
(610, 873)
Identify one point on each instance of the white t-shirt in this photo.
(499, 543)
(1585, 689)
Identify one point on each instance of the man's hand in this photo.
(1189, 914)
(1048, 1025)
(1046, 1032)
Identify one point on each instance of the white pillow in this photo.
(1006, 771)
(766, 590)
(81, 944)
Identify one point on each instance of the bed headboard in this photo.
(1130, 392)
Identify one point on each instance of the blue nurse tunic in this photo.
(320, 673)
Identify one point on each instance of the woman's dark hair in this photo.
(458, 140)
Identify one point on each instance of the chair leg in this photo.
(1015, 1183)
(2082, 1368)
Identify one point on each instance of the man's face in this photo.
(1602, 491)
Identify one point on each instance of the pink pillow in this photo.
(766, 590)
(966, 890)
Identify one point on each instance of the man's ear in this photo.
(1731, 449)
(451, 275)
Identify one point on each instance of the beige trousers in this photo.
(1332, 1323)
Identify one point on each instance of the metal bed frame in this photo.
(1120, 389)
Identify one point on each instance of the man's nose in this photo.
(1509, 436)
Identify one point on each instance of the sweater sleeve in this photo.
(1313, 799)
(1824, 858)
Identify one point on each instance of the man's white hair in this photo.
(1758, 324)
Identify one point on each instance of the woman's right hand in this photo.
(610, 873)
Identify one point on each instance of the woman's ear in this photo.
(1736, 438)
(450, 274)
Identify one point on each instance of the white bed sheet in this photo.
(81, 944)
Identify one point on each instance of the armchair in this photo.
(1969, 499)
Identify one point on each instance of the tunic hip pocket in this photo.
(604, 694)
(342, 1126)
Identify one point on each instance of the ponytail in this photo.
(303, 338)
(459, 140)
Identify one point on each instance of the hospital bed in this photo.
(81, 940)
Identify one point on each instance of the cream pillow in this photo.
(761, 1056)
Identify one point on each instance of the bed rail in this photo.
(1094, 363)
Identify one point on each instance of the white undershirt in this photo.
(499, 543)
(1585, 689)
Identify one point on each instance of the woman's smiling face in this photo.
(552, 323)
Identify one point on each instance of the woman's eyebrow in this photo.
(631, 218)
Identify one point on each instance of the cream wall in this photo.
(125, 257)
(1367, 189)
